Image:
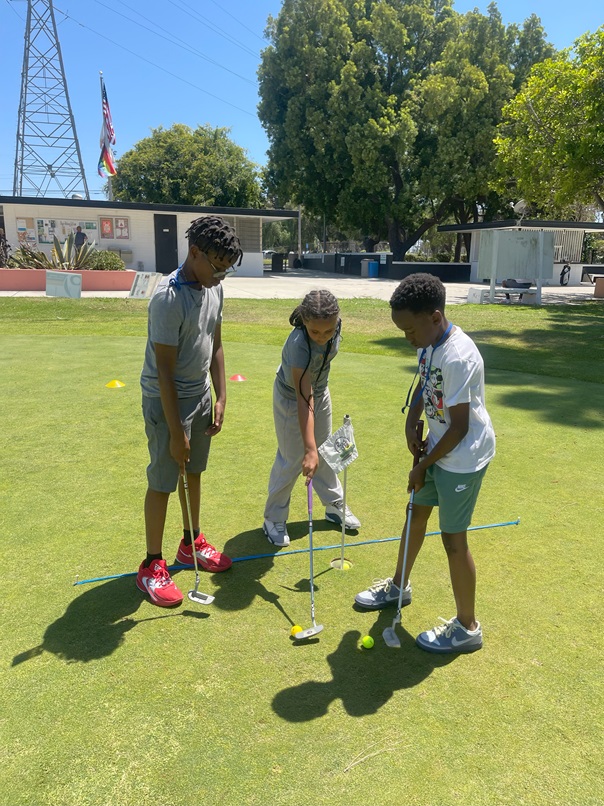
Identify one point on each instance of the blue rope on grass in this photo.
(294, 551)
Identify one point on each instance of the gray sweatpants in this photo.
(290, 452)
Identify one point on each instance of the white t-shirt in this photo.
(457, 376)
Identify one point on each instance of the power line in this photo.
(243, 25)
(221, 31)
(153, 64)
(174, 40)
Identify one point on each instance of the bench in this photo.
(527, 296)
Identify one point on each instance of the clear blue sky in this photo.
(168, 61)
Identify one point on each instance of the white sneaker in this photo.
(276, 532)
(333, 512)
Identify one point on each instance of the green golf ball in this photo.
(368, 642)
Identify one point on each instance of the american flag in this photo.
(107, 122)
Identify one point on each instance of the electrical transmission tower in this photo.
(48, 161)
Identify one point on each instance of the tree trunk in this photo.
(368, 243)
(399, 246)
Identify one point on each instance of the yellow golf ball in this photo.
(368, 642)
(295, 629)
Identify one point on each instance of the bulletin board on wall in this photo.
(49, 228)
(115, 228)
(25, 231)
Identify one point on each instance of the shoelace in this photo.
(381, 584)
(161, 577)
(206, 550)
(446, 628)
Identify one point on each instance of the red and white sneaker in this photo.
(157, 582)
(208, 557)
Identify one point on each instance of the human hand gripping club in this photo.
(389, 634)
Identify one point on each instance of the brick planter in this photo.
(35, 280)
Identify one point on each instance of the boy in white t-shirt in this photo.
(460, 445)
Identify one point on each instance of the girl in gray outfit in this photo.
(302, 413)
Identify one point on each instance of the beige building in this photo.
(148, 237)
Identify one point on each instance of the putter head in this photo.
(314, 630)
(391, 638)
(200, 598)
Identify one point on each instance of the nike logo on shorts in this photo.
(461, 487)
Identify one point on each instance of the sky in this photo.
(184, 61)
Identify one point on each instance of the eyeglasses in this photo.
(219, 273)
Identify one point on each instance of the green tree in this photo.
(201, 166)
(551, 142)
(381, 114)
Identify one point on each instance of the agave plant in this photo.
(68, 257)
(27, 257)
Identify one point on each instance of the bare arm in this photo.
(219, 382)
(460, 423)
(165, 356)
(306, 420)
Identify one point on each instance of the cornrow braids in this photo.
(419, 293)
(214, 234)
(316, 305)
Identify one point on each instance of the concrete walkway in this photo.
(295, 283)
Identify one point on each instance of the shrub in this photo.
(107, 261)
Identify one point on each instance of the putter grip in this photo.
(419, 433)
(309, 495)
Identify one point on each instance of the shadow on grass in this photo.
(95, 623)
(363, 679)
(237, 590)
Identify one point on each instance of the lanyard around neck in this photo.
(417, 396)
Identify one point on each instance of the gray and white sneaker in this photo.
(334, 512)
(276, 531)
(450, 636)
(383, 593)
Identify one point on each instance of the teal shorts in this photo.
(454, 494)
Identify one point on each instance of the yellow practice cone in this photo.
(114, 385)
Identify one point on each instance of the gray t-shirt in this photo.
(185, 318)
(295, 355)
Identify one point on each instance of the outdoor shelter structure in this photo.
(543, 265)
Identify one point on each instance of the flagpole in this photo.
(342, 564)
(109, 187)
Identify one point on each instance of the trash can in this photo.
(277, 261)
(374, 267)
(365, 267)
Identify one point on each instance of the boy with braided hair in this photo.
(184, 350)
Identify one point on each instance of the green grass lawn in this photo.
(109, 701)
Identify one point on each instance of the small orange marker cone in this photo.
(237, 378)
(114, 385)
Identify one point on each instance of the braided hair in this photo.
(213, 234)
(316, 305)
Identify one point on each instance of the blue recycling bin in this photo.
(373, 269)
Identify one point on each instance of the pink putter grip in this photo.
(309, 494)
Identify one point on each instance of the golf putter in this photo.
(316, 628)
(195, 595)
(389, 634)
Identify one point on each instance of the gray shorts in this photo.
(454, 494)
(196, 417)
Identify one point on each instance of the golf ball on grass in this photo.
(295, 629)
(367, 642)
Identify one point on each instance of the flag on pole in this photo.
(106, 165)
(340, 450)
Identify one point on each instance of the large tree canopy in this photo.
(381, 114)
(551, 143)
(184, 166)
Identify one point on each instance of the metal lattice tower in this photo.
(48, 161)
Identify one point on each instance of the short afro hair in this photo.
(419, 293)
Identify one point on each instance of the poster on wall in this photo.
(107, 228)
(25, 231)
(48, 228)
(116, 227)
(122, 228)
